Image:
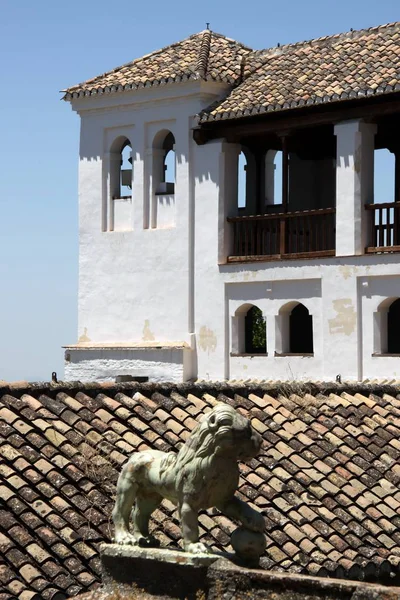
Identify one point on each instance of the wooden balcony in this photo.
(384, 230)
(303, 234)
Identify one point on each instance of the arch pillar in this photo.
(354, 185)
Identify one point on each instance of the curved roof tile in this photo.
(339, 67)
(327, 480)
(205, 55)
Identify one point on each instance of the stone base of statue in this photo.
(132, 573)
(157, 572)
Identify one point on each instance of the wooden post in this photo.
(260, 189)
(285, 193)
(396, 219)
(285, 174)
(397, 175)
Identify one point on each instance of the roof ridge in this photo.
(352, 34)
(160, 51)
(204, 54)
(229, 39)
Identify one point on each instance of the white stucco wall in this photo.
(134, 281)
(106, 364)
(162, 275)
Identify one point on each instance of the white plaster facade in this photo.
(153, 268)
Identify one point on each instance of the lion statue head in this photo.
(221, 431)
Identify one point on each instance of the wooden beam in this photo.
(369, 109)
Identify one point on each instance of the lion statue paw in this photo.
(197, 548)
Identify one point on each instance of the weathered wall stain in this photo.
(148, 335)
(207, 339)
(346, 271)
(346, 318)
(84, 337)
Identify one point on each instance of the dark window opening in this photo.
(300, 331)
(255, 332)
(167, 183)
(393, 328)
(126, 171)
(242, 180)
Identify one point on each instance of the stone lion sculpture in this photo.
(203, 474)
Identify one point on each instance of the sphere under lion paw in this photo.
(248, 545)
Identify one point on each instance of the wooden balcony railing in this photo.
(384, 231)
(285, 235)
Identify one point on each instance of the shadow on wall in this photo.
(281, 290)
(173, 356)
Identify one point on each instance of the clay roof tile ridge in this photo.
(202, 63)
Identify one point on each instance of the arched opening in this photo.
(294, 330)
(300, 331)
(273, 177)
(246, 182)
(126, 171)
(384, 176)
(164, 164)
(121, 173)
(120, 185)
(393, 328)
(249, 334)
(384, 230)
(242, 180)
(255, 332)
(162, 208)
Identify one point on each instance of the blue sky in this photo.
(46, 46)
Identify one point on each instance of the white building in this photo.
(178, 242)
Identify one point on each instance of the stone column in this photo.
(215, 188)
(138, 186)
(156, 178)
(113, 188)
(354, 185)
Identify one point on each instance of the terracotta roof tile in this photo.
(347, 66)
(329, 492)
(206, 55)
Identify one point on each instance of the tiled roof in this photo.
(205, 55)
(327, 479)
(347, 66)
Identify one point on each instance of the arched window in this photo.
(387, 327)
(384, 176)
(164, 163)
(249, 331)
(294, 330)
(300, 331)
(120, 185)
(162, 206)
(393, 328)
(242, 180)
(126, 171)
(273, 177)
(121, 169)
(246, 182)
(169, 163)
(255, 332)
